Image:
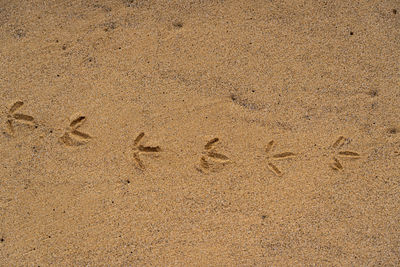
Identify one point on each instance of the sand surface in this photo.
(199, 133)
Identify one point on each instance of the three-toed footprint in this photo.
(73, 137)
(211, 160)
(13, 118)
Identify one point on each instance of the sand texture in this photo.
(199, 133)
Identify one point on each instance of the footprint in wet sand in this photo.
(279, 156)
(211, 160)
(72, 136)
(342, 154)
(13, 117)
(139, 149)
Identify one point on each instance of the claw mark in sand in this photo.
(139, 149)
(336, 165)
(13, 117)
(73, 137)
(279, 156)
(345, 154)
(339, 142)
(211, 160)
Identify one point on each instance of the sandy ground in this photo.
(199, 133)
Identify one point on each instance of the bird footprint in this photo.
(274, 157)
(212, 160)
(74, 137)
(336, 163)
(139, 149)
(13, 117)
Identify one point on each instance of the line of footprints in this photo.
(210, 161)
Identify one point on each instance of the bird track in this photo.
(278, 156)
(13, 117)
(72, 136)
(211, 160)
(343, 154)
(139, 149)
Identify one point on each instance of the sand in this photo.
(199, 133)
